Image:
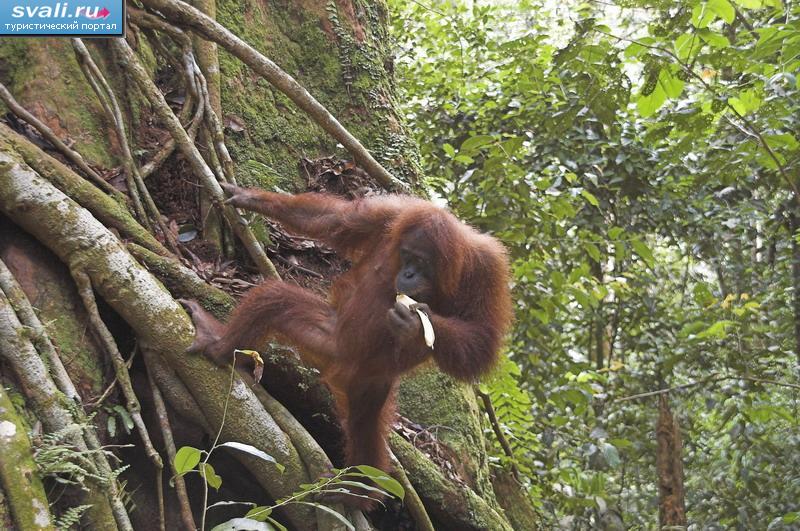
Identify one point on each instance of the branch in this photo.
(212, 30)
(169, 444)
(501, 437)
(710, 378)
(112, 108)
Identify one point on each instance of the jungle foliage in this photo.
(641, 161)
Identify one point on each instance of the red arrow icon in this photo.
(103, 13)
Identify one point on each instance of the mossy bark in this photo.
(338, 51)
(23, 487)
(44, 76)
(451, 409)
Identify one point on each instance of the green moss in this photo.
(345, 75)
(432, 398)
(44, 77)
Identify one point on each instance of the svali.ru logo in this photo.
(59, 11)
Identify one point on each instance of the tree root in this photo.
(103, 334)
(23, 487)
(54, 410)
(111, 213)
(169, 444)
(190, 151)
(162, 327)
(452, 506)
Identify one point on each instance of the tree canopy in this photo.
(641, 161)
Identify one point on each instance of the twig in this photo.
(710, 378)
(72, 155)
(96, 403)
(84, 285)
(169, 444)
(298, 267)
(501, 437)
(411, 500)
(162, 516)
(210, 29)
(189, 150)
(216, 440)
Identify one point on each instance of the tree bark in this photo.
(669, 466)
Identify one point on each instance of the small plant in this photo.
(58, 458)
(345, 482)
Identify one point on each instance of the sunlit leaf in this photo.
(210, 475)
(383, 480)
(722, 8)
(186, 458)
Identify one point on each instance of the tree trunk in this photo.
(669, 466)
(68, 243)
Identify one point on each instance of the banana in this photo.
(427, 326)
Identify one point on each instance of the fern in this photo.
(71, 517)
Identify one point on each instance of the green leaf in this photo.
(718, 330)
(634, 50)
(259, 513)
(782, 141)
(252, 450)
(686, 45)
(243, 524)
(790, 518)
(747, 102)
(449, 150)
(210, 475)
(357, 485)
(279, 526)
(715, 40)
(186, 458)
(590, 198)
(476, 142)
(722, 8)
(592, 250)
(383, 480)
(611, 455)
(648, 105)
(330, 511)
(127, 421)
(615, 232)
(672, 85)
(702, 16)
(750, 4)
(643, 251)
